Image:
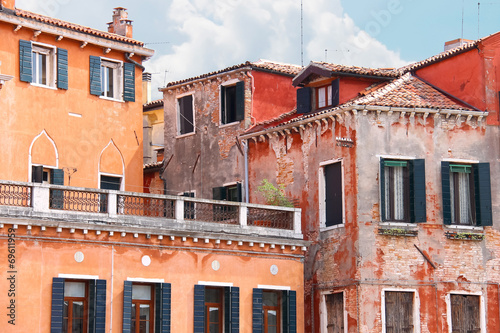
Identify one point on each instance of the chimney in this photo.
(120, 25)
(10, 4)
(456, 43)
(146, 87)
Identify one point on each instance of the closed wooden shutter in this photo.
(482, 188)
(162, 307)
(335, 92)
(95, 76)
(304, 100)
(186, 120)
(257, 311)
(57, 305)
(418, 212)
(199, 309)
(25, 69)
(398, 312)
(240, 101)
(129, 82)
(235, 310)
(100, 306)
(333, 194)
(465, 314)
(62, 68)
(56, 196)
(445, 186)
(335, 313)
(381, 178)
(127, 307)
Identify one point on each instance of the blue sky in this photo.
(192, 37)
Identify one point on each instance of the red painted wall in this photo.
(350, 87)
(267, 90)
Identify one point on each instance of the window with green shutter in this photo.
(274, 311)
(43, 65)
(216, 309)
(232, 103)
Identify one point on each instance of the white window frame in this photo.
(322, 195)
(323, 312)
(178, 115)
(482, 308)
(228, 83)
(117, 67)
(50, 52)
(122, 178)
(416, 307)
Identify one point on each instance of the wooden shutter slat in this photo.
(25, 69)
(166, 308)
(92, 305)
(240, 100)
(418, 211)
(482, 187)
(382, 190)
(57, 305)
(127, 307)
(100, 306)
(235, 309)
(304, 100)
(257, 311)
(62, 68)
(335, 92)
(199, 309)
(95, 76)
(129, 82)
(446, 193)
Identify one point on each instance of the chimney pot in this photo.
(120, 25)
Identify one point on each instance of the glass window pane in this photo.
(144, 311)
(103, 81)
(213, 314)
(329, 101)
(132, 326)
(214, 328)
(133, 310)
(77, 326)
(212, 295)
(144, 327)
(321, 97)
(272, 317)
(270, 298)
(110, 82)
(65, 310)
(142, 292)
(74, 289)
(43, 69)
(78, 309)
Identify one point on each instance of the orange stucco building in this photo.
(72, 108)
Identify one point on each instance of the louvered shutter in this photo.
(95, 76)
(57, 305)
(25, 66)
(445, 186)
(335, 92)
(257, 311)
(199, 309)
(235, 310)
(56, 196)
(304, 100)
(382, 190)
(219, 193)
(129, 82)
(292, 311)
(62, 68)
(162, 307)
(482, 187)
(240, 101)
(127, 307)
(417, 191)
(37, 174)
(92, 306)
(100, 306)
(239, 192)
(227, 310)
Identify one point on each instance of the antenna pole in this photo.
(462, 20)
(478, 7)
(301, 34)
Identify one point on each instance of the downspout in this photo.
(245, 153)
(127, 56)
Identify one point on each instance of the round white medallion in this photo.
(79, 256)
(215, 265)
(146, 260)
(274, 269)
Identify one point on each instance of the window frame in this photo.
(219, 305)
(482, 308)
(150, 302)
(416, 307)
(178, 115)
(230, 302)
(50, 52)
(277, 308)
(287, 307)
(389, 193)
(71, 299)
(223, 107)
(117, 67)
(327, 94)
(322, 194)
(324, 310)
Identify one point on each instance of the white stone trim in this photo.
(215, 284)
(99, 173)
(79, 276)
(272, 287)
(323, 314)
(30, 164)
(482, 308)
(145, 280)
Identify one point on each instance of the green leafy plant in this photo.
(273, 195)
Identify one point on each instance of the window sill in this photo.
(180, 136)
(398, 229)
(465, 236)
(43, 86)
(229, 124)
(111, 99)
(333, 227)
(464, 227)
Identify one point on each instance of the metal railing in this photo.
(55, 200)
(15, 195)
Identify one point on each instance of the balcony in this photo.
(72, 207)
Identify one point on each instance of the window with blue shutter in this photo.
(71, 299)
(335, 92)
(129, 82)
(127, 307)
(62, 68)
(257, 311)
(216, 308)
(25, 67)
(304, 100)
(466, 191)
(199, 309)
(232, 102)
(95, 76)
(274, 311)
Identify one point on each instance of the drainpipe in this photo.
(127, 56)
(245, 152)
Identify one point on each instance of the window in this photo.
(216, 309)
(323, 97)
(232, 103)
(402, 190)
(229, 192)
(334, 313)
(146, 307)
(39, 174)
(189, 207)
(331, 195)
(78, 306)
(274, 311)
(43, 65)
(466, 194)
(185, 118)
(112, 79)
(465, 313)
(399, 312)
(108, 183)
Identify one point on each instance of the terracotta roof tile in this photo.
(153, 104)
(277, 67)
(75, 27)
(384, 72)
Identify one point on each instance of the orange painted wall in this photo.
(116, 258)
(273, 96)
(27, 110)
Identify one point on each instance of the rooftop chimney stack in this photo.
(121, 25)
(146, 88)
(10, 4)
